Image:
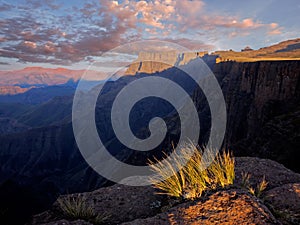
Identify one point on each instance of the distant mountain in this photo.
(31, 76)
(286, 50)
(48, 113)
(20, 81)
(12, 90)
(291, 46)
(39, 95)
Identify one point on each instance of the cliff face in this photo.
(256, 94)
(149, 62)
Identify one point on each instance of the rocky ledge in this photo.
(118, 204)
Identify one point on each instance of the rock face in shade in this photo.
(263, 110)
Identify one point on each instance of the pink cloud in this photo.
(67, 40)
(195, 45)
(275, 31)
(29, 44)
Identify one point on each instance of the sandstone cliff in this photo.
(150, 62)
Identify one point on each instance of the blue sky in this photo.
(56, 33)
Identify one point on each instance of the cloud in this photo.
(30, 44)
(4, 63)
(275, 31)
(41, 32)
(45, 3)
(195, 45)
(6, 7)
(65, 39)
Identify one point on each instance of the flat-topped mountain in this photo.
(38, 76)
(151, 62)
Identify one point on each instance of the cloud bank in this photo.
(60, 33)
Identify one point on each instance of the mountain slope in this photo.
(286, 50)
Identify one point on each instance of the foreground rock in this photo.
(224, 207)
(119, 204)
(285, 203)
(275, 173)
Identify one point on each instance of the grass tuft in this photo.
(261, 187)
(193, 179)
(258, 191)
(245, 179)
(75, 207)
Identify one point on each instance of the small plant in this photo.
(222, 169)
(254, 191)
(75, 207)
(251, 191)
(261, 187)
(245, 179)
(172, 185)
(192, 180)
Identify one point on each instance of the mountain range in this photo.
(39, 153)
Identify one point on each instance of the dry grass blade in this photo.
(192, 180)
(75, 207)
(261, 187)
(245, 179)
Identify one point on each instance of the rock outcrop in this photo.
(224, 207)
(140, 205)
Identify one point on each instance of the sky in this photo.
(72, 34)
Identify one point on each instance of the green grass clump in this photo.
(75, 207)
(193, 179)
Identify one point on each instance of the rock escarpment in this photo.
(154, 62)
(262, 101)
